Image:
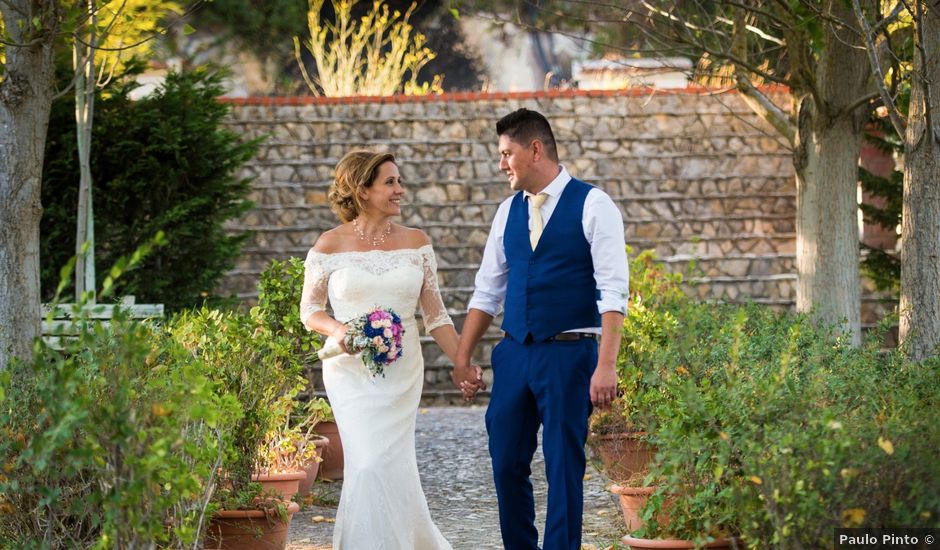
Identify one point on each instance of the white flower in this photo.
(377, 324)
(387, 333)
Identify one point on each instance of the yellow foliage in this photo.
(3, 54)
(853, 517)
(378, 55)
(124, 29)
(886, 445)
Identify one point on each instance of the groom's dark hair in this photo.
(525, 126)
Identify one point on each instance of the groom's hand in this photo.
(603, 385)
(469, 379)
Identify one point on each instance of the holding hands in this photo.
(468, 378)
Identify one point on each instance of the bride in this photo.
(365, 262)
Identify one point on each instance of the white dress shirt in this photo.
(603, 228)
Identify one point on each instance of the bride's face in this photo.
(384, 196)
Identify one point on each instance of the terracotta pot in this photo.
(285, 485)
(313, 467)
(624, 455)
(632, 500)
(652, 544)
(248, 530)
(332, 465)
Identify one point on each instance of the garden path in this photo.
(457, 479)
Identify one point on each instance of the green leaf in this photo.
(37, 23)
(455, 13)
(188, 29)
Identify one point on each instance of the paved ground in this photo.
(457, 479)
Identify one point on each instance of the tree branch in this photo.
(689, 40)
(897, 120)
(865, 99)
(932, 130)
(778, 20)
(757, 101)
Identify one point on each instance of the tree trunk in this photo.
(25, 101)
(920, 219)
(85, 83)
(827, 255)
(831, 119)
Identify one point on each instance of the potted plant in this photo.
(293, 446)
(683, 501)
(262, 524)
(619, 436)
(333, 459)
(278, 304)
(253, 364)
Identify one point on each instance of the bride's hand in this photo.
(339, 334)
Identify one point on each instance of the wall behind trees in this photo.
(698, 177)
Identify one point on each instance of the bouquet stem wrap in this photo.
(376, 335)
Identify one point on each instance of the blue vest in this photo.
(552, 288)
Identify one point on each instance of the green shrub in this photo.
(113, 442)
(279, 292)
(777, 431)
(251, 362)
(655, 298)
(164, 162)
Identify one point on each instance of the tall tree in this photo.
(920, 126)
(119, 30)
(814, 47)
(32, 30)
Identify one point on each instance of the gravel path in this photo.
(457, 479)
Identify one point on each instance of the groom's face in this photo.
(515, 160)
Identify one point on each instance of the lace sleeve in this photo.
(313, 297)
(432, 307)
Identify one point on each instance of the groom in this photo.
(556, 263)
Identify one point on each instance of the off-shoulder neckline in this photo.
(344, 252)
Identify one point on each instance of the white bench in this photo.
(61, 327)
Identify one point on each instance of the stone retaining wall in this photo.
(696, 175)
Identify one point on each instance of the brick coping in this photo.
(484, 96)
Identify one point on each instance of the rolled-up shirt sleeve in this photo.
(603, 228)
(489, 291)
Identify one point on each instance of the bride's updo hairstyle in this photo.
(355, 171)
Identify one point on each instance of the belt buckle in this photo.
(567, 336)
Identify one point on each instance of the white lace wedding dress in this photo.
(382, 505)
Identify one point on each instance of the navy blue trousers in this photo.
(545, 384)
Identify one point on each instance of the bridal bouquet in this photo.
(376, 334)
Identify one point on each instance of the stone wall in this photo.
(697, 176)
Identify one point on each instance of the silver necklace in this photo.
(375, 240)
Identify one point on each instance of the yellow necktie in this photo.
(536, 230)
